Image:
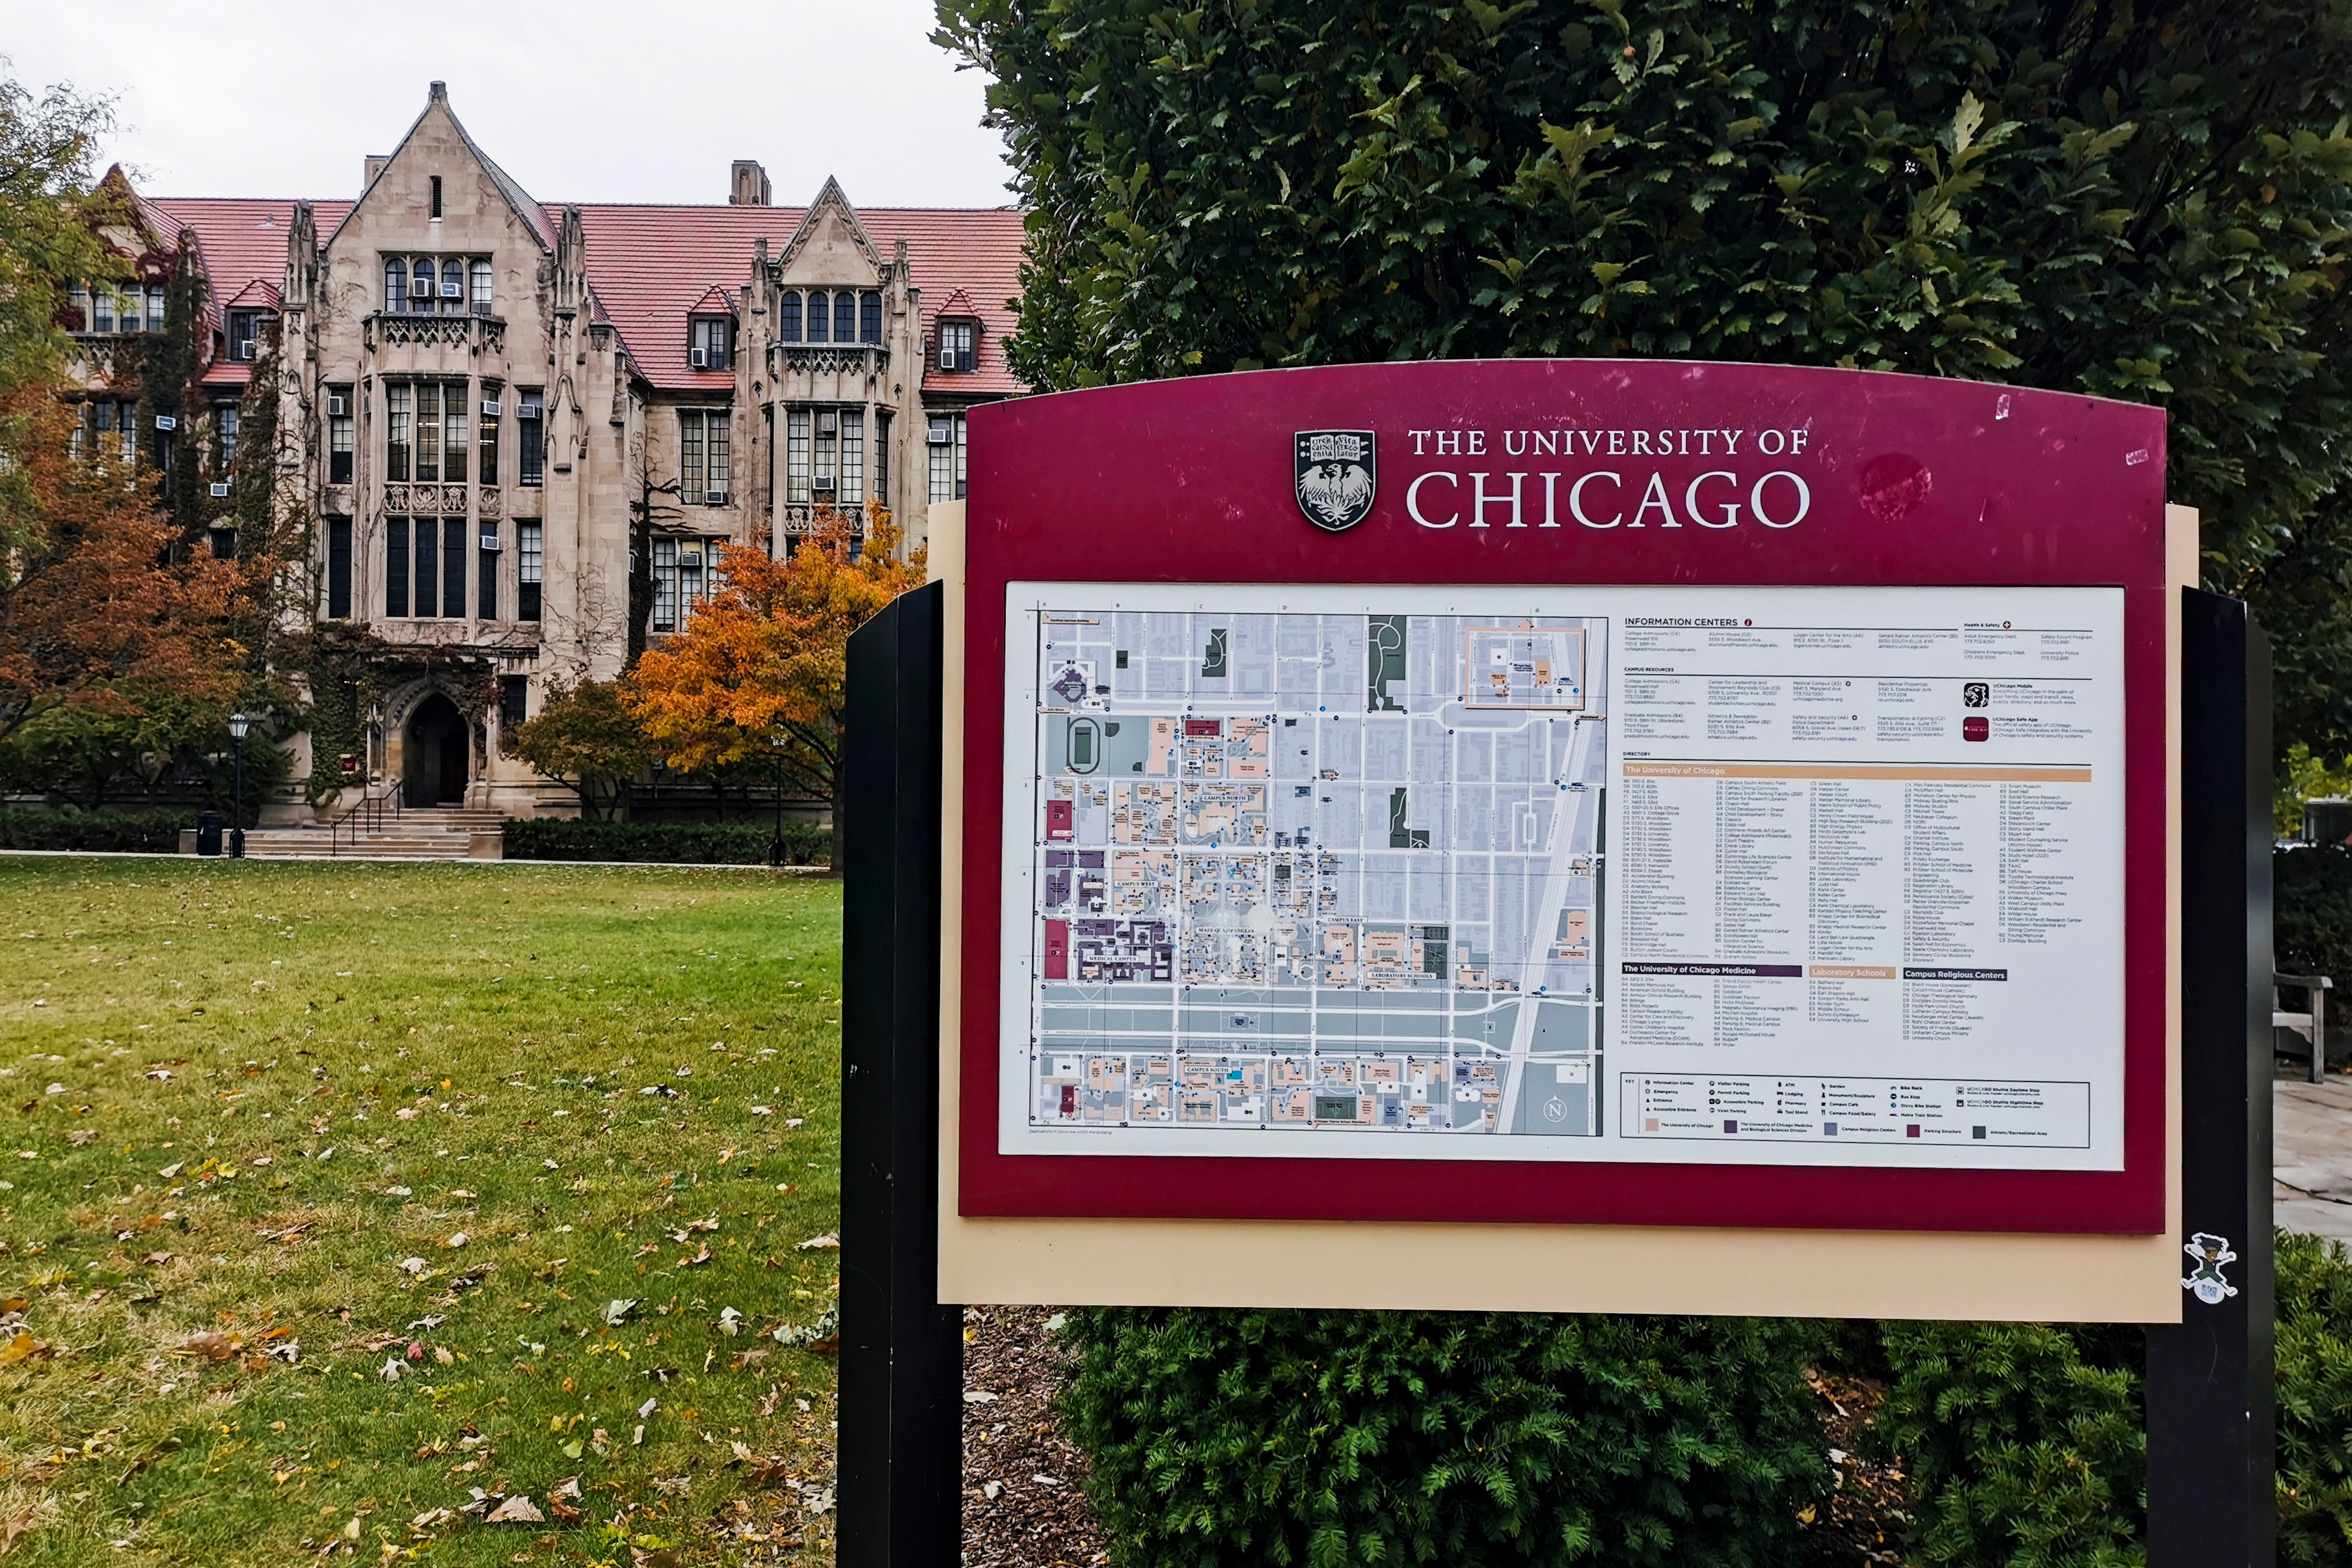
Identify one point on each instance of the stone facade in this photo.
(492, 410)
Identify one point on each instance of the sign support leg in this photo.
(2210, 1393)
(901, 1406)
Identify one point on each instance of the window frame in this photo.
(399, 440)
(705, 452)
(342, 433)
(963, 357)
(715, 336)
(530, 436)
(339, 568)
(395, 568)
(531, 566)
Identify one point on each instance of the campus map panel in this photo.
(1699, 874)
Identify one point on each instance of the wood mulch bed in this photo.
(1023, 1505)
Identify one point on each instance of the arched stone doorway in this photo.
(438, 754)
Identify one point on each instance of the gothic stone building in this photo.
(482, 400)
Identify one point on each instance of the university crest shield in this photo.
(1337, 476)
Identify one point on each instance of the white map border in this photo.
(1027, 601)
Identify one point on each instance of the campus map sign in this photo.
(1776, 875)
(1568, 792)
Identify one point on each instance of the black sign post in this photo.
(901, 1436)
(2210, 1442)
(2210, 1502)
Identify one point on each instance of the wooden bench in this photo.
(2310, 1024)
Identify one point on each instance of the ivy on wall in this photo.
(350, 670)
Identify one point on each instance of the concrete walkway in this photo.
(2311, 1156)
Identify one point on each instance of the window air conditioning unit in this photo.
(452, 290)
(714, 498)
(219, 492)
(244, 348)
(491, 540)
(822, 482)
(699, 358)
(166, 422)
(940, 436)
(338, 406)
(491, 408)
(827, 423)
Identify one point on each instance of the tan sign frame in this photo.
(2024, 1277)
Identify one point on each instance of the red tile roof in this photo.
(243, 239)
(650, 267)
(258, 295)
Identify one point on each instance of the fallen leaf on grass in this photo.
(701, 1255)
(21, 1346)
(154, 1260)
(515, 1509)
(617, 1312)
(212, 1346)
(288, 1232)
(828, 1242)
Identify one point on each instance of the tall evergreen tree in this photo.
(2149, 201)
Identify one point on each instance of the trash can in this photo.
(208, 833)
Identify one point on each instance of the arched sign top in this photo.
(1565, 791)
(1584, 469)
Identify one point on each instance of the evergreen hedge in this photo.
(1336, 1438)
(2315, 1401)
(672, 843)
(1331, 1439)
(29, 828)
(2311, 915)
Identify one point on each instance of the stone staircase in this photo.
(427, 833)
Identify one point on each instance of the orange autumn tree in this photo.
(94, 612)
(759, 673)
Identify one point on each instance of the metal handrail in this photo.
(365, 816)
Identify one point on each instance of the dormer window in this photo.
(245, 330)
(959, 347)
(710, 342)
(836, 316)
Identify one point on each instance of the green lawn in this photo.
(322, 1186)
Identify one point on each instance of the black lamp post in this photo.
(239, 723)
(776, 844)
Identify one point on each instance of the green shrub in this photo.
(2310, 914)
(25, 828)
(672, 843)
(2024, 1443)
(1334, 1439)
(2315, 1401)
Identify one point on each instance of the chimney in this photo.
(375, 162)
(747, 185)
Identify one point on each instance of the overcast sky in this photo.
(582, 100)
